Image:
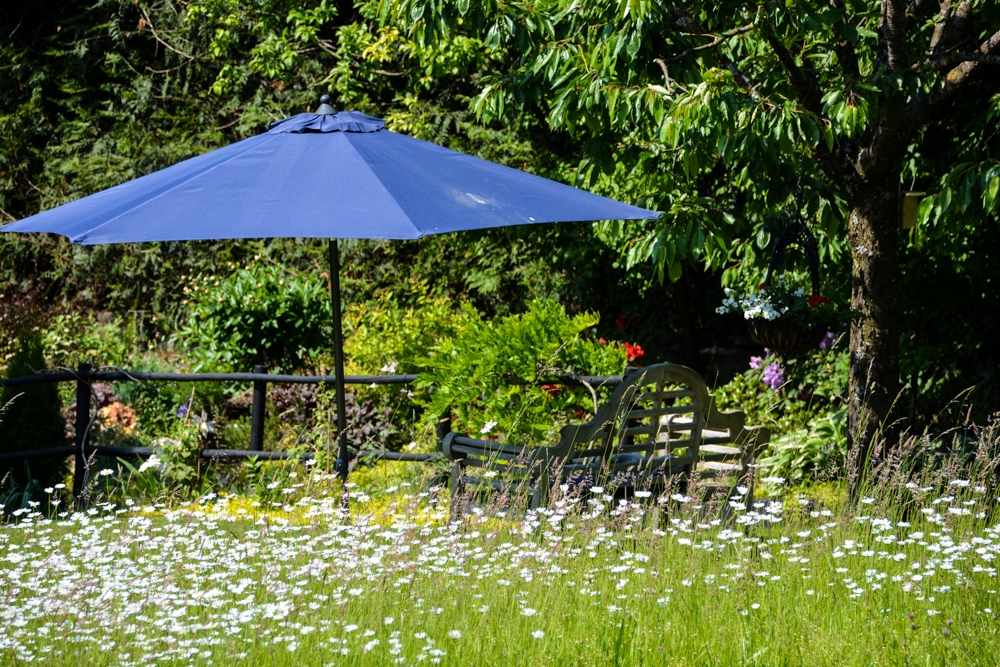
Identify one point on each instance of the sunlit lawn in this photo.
(222, 581)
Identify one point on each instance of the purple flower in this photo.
(774, 376)
(182, 412)
(755, 362)
(828, 340)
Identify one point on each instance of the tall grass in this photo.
(907, 577)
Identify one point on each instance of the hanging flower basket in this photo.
(780, 316)
(786, 338)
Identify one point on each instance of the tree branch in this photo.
(948, 62)
(711, 45)
(883, 147)
(962, 73)
(913, 11)
(835, 165)
(667, 81)
(847, 57)
(920, 108)
(160, 40)
(895, 18)
(806, 90)
(685, 22)
(950, 32)
(944, 13)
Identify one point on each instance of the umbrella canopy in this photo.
(337, 175)
(323, 175)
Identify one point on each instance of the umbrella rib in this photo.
(378, 179)
(81, 239)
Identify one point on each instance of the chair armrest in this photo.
(751, 440)
(457, 445)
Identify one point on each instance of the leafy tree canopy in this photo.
(713, 113)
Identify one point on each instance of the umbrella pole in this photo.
(340, 466)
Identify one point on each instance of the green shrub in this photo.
(24, 309)
(73, 338)
(381, 336)
(492, 375)
(384, 337)
(257, 315)
(180, 452)
(817, 452)
(31, 419)
(156, 404)
(788, 394)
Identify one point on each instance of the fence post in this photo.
(257, 413)
(442, 427)
(82, 422)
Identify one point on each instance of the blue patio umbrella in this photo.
(330, 175)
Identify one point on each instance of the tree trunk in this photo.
(874, 375)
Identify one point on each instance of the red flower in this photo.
(633, 352)
(552, 389)
(816, 299)
(760, 287)
(623, 321)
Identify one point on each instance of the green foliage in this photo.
(951, 335)
(257, 315)
(95, 93)
(156, 403)
(716, 145)
(496, 372)
(179, 454)
(384, 336)
(31, 417)
(74, 337)
(712, 112)
(23, 310)
(816, 452)
(811, 388)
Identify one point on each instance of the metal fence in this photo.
(85, 376)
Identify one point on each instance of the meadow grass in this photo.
(592, 580)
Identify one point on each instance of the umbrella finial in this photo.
(324, 106)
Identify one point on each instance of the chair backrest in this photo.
(638, 416)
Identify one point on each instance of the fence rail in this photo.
(221, 455)
(84, 376)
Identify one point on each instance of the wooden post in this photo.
(258, 410)
(442, 428)
(82, 423)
